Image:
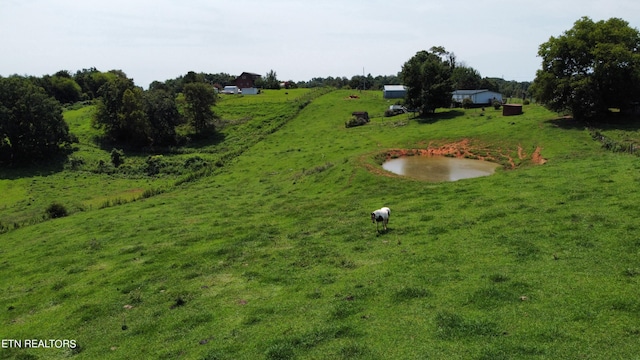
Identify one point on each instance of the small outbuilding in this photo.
(231, 89)
(250, 91)
(478, 97)
(511, 109)
(394, 91)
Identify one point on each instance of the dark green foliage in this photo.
(56, 210)
(31, 124)
(61, 86)
(90, 80)
(466, 78)
(109, 110)
(199, 98)
(117, 157)
(271, 81)
(138, 118)
(427, 76)
(155, 164)
(162, 112)
(591, 68)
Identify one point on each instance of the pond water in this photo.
(439, 168)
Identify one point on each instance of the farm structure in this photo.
(394, 91)
(478, 97)
(246, 82)
(230, 90)
(511, 109)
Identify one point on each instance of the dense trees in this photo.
(31, 123)
(591, 68)
(162, 112)
(199, 98)
(427, 76)
(356, 82)
(137, 118)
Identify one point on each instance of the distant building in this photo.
(230, 90)
(250, 91)
(478, 97)
(394, 91)
(246, 80)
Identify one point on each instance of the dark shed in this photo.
(511, 109)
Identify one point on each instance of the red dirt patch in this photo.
(463, 149)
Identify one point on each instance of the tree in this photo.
(591, 68)
(271, 81)
(427, 76)
(466, 78)
(62, 87)
(31, 122)
(108, 115)
(162, 112)
(199, 98)
(132, 119)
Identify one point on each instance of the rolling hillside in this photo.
(271, 253)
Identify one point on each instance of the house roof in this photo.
(395, 88)
(470, 92)
(250, 73)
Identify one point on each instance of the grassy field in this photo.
(267, 250)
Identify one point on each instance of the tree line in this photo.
(589, 70)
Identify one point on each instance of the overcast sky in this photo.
(163, 39)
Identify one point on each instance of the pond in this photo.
(439, 168)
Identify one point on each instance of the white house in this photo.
(478, 97)
(394, 91)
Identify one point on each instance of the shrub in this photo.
(154, 164)
(355, 121)
(56, 210)
(117, 157)
(467, 103)
(496, 104)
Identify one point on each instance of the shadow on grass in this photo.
(612, 121)
(439, 116)
(182, 142)
(32, 169)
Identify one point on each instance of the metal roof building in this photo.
(394, 91)
(483, 96)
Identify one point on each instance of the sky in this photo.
(157, 40)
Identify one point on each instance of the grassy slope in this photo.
(274, 257)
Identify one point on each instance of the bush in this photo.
(154, 164)
(356, 121)
(56, 210)
(117, 157)
(496, 104)
(467, 103)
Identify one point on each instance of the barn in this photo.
(478, 97)
(246, 80)
(394, 91)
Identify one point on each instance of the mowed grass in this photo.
(273, 256)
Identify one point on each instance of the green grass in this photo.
(273, 255)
